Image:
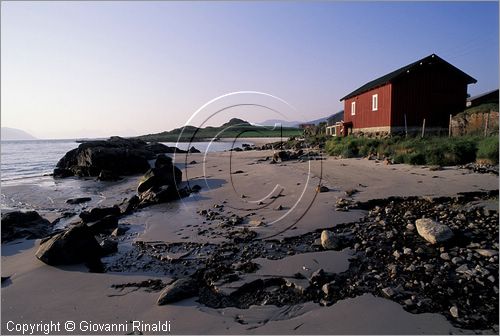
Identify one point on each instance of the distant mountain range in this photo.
(8, 133)
(271, 122)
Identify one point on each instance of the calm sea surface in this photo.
(34, 158)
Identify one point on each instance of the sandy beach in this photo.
(277, 203)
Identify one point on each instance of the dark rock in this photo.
(116, 155)
(179, 290)
(104, 225)
(196, 188)
(99, 213)
(158, 177)
(73, 246)
(119, 231)
(108, 175)
(322, 189)
(193, 150)
(163, 160)
(159, 148)
(193, 162)
(78, 200)
(63, 172)
(128, 205)
(319, 277)
(28, 225)
(158, 195)
(109, 246)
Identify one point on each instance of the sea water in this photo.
(35, 158)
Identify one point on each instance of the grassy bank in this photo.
(441, 151)
(233, 129)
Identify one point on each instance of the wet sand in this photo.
(250, 188)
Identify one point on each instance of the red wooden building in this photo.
(429, 89)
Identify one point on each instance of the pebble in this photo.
(407, 250)
(444, 256)
(410, 227)
(396, 254)
(388, 291)
(454, 311)
(408, 302)
(487, 253)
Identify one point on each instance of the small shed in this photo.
(424, 92)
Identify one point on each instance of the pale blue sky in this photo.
(76, 69)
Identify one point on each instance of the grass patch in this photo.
(442, 151)
(488, 149)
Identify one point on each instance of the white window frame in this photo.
(353, 108)
(375, 102)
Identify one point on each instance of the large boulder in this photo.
(159, 148)
(156, 178)
(159, 184)
(109, 158)
(74, 246)
(28, 225)
(433, 231)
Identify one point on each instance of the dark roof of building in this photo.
(492, 93)
(397, 73)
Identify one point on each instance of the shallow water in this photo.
(35, 158)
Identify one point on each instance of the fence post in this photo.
(423, 128)
(406, 128)
(486, 123)
(449, 128)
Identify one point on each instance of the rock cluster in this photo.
(18, 224)
(160, 184)
(73, 246)
(109, 159)
(481, 168)
(457, 277)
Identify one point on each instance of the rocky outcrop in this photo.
(28, 225)
(116, 156)
(96, 214)
(78, 200)
(160, 184)
(73, 246)
(109, 159)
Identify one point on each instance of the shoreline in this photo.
(178, 228)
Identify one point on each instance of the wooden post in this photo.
(406, 128)
(281, 136)
(449, 128)
(423, 128)
(486, 123)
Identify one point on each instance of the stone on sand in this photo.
(328, 240)
(179, 290)
(73, 246)
(433, 231)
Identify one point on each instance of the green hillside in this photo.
(232, 129)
